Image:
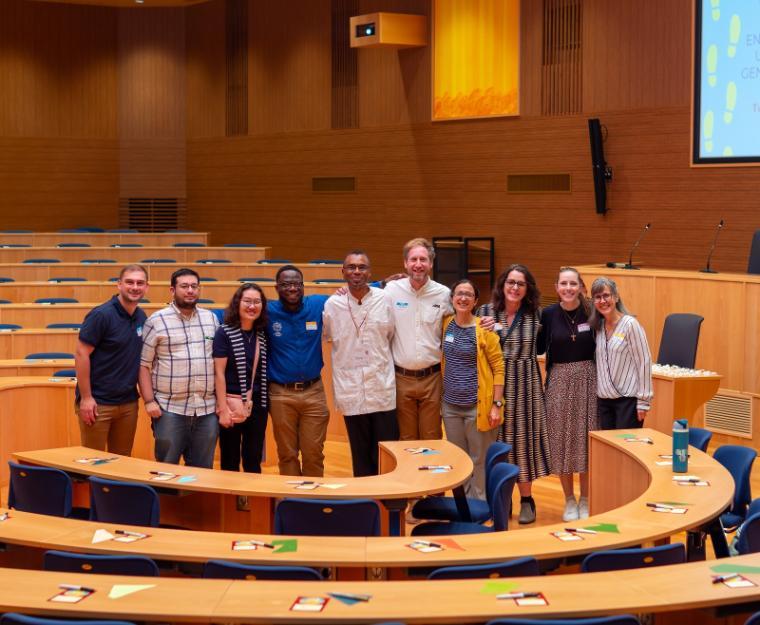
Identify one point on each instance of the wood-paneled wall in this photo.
(151, 106)
(415, 177)
(58, 127)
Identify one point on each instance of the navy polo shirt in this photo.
(295, 340)
(117, 338)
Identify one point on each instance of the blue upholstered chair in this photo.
(9, 327)
(100, 564)
(42, 490)
(49, 356)
(65, 373)
(327, 517)
(622, 619)
(502, 483)
(13, 618)
(123, 502)
(738, 460)
(56, 300)
(636, 558)
(64, 326)
(222, 569)
(521, 567)
(445, 508)
(699, 438)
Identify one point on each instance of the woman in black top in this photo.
(240, 375)
(568, 340)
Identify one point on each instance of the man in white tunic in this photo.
(359, 325)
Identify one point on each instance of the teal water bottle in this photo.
(680, 446)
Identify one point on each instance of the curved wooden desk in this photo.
(621, 501)
(42, 239)
(663, 590)
(15, 367)
(216, 505)
(123, 255)
(22, 272)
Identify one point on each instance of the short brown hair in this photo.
(419, 242)
(133, 267)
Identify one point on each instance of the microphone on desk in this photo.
(712, 249)
(629, 264)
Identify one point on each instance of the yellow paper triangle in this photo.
(122, 590)
(101, 536)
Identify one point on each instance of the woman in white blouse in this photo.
(623, 361)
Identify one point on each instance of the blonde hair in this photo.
(419, 242)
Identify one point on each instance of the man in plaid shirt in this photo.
(177, 376)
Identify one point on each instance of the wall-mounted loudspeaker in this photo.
(602, 173)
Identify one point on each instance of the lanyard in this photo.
(358, 327)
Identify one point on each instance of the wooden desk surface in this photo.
(102, 238)
(636, 524)
(403, 481)
(134, 254)
(661, 589)
(26, 272)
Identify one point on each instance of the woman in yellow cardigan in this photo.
(473, 383)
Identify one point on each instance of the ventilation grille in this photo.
(538, 183)
(236, 28)
(727, 414)
(152, 214)
(562, 58)
(344, 66)
(333, 185)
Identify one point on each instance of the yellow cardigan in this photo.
(490, 370)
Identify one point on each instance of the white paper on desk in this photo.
(685, 478)
(122, 590)
(333, 486)
(664, 463)
(101, 536)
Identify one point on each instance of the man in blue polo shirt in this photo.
(297, 397)
(107, 360)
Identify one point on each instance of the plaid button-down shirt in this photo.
(177, 350)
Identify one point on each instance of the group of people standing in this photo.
(408, 355)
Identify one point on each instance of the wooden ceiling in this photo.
(130, 3)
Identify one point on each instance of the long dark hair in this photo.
(532, 297)
(232, 312)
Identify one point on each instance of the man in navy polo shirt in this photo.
(297, 397)
(107, 360)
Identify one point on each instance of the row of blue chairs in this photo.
(96, 230)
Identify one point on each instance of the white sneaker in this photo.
(571, 510)
(583, 508)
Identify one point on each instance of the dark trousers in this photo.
(617, 414)
(244, 440)
(364, 433)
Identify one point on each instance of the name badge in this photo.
(402, 305)
(497, 327)
(619, 335)
(449, 338)
(311, 326)
(584, 327)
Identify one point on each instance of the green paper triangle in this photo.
(735, 568)
(285, 546)
(625, 435)
(612, 528)
(496, 586)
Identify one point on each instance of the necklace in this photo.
(248, 335)
(357, 327)
(570, 321)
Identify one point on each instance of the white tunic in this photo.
(418, 317)
(362, 365)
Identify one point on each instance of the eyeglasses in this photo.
(250, 302)
(464, 295)
(188, 287)
(353, 268)
(602, 297)
(290, 285)
(511, 284)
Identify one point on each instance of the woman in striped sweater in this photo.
(623, 362)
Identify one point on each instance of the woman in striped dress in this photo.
(514, 308)
(240, 376)
(623, 361)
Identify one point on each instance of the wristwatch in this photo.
(498, 403)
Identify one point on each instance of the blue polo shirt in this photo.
(295, 340)
(117, 338)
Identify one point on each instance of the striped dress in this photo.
(524, 424)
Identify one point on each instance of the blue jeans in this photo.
(192, 437)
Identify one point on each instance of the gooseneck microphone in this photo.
(707, 268)
(629, 264)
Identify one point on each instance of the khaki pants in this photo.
(114, 428)
(418, 407)
(300, 421)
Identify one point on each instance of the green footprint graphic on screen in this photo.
(728, 115)
(734, 30)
